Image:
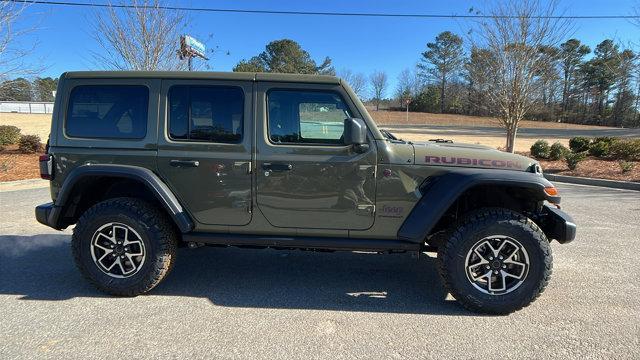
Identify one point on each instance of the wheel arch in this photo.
(447, 196)
(88, 184)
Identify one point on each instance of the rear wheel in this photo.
(495, 261)
(124, 246)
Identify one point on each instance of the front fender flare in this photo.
(443, 190)
(151, 181)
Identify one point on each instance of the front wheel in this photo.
(495, 261)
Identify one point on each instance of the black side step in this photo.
(301, 242)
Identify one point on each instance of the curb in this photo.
(23, 185)
(626, 185)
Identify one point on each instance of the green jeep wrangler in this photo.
(145, 162)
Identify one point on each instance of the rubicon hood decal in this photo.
(450, 160)
(469, 156)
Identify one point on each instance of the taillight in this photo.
(46, 166)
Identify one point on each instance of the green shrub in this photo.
(605, 139)
(30, 144)
(626, 166)
(573, 159)
(579, 144)
(558, 151)
(9, 134)
(628, 149)
(540, 149)
(599, 149)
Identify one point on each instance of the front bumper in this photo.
(47, 214)
(558, 225)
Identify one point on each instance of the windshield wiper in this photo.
(389, 135)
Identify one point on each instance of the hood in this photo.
(468, 155)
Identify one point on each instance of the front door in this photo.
(306, 176)
(204, 150)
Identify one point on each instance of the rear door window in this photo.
(206, 113)
(108, 111)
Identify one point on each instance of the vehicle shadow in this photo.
(41, 267)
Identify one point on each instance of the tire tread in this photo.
(476, 221)
(160, 229)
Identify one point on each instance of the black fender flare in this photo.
(145, 176)
(441, 191)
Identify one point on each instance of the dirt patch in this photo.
(29, 124)
(40, 124)
(415, 118)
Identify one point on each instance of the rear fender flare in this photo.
(145, 176)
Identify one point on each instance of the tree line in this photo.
(21, 89)
(571, 82)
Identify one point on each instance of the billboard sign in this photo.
(192, 46)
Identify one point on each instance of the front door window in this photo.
(306, 117)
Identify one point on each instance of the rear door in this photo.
(204, 148)
(307, 178)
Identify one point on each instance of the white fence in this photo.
(26, 107)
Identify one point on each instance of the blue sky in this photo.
(360, 44)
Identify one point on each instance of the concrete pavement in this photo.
(267, 304)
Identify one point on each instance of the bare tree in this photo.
(511, 38)
(379, 84)
(12, 56)
(409, 82)
(141, 37)
(357, 81)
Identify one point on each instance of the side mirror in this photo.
(355, 133)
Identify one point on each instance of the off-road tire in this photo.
(474, 227)
(156, 232)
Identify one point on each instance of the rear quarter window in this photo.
(108, 111)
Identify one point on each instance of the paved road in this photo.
(231, 303)
(538, 133)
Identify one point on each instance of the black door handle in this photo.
(184, 163)
(277, 167)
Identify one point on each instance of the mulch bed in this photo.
(593, 168)
(17, 166)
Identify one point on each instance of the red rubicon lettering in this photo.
(432, 159)
(475, 162)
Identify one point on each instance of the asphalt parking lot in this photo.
(233, 303)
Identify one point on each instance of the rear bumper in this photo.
(47, 214)
(558, 225)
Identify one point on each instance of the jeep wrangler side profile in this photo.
(144, 162)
